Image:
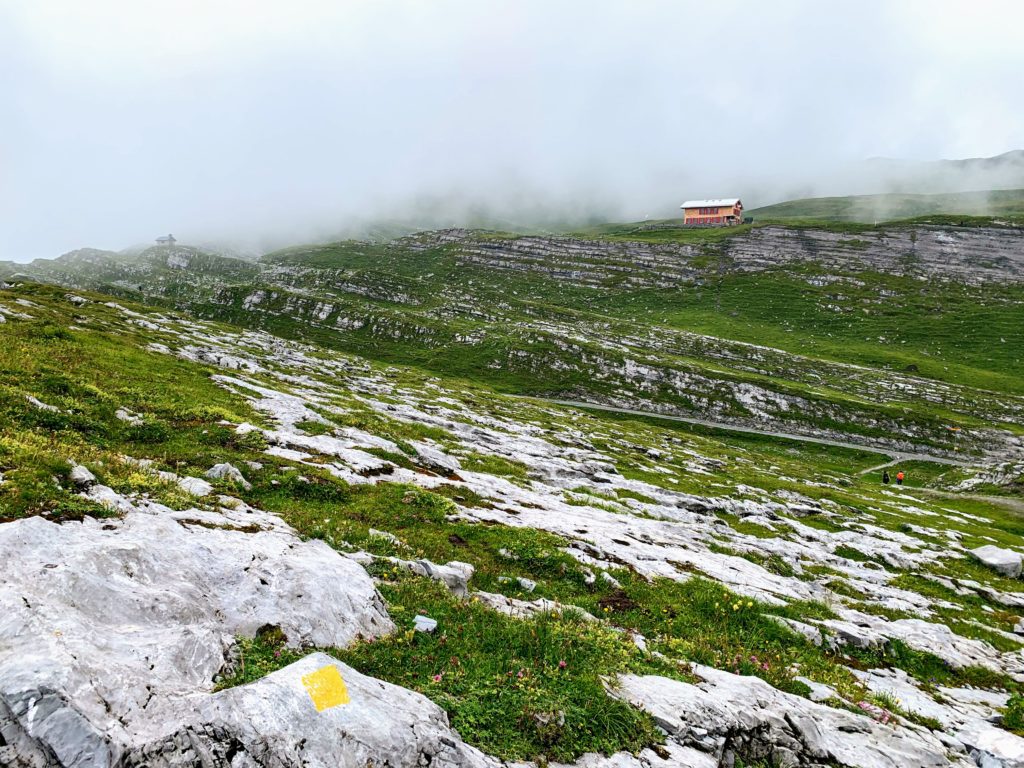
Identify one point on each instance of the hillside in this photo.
(1003, 171)
(854, 334)
(600, 582)
(634, 478)
(1004, 204)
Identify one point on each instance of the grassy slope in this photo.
(97, 367)
(940, 330)
(887, 207)
(446, 302)
(88, 373)
(419, 308)
(501, 681)
(947, 331)
(666, 231)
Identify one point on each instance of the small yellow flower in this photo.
(750, 603)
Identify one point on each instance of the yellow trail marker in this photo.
(326, 688)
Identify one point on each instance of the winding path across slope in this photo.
(1014, 505)
(895, 455)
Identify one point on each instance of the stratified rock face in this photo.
(968, 254)
(105, 625)
(729, 716)
(972, 255)
(587, 262)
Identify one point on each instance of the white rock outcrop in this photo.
(525, 609)
(728, 716)
(342, 720)
(992, 747)
(194, 486)
(435, 459)
(1003, 561)
(228, 472)
(455, 575)
(41, 405)
(133, 419)
(81, 477)
(104, 625)
(966, 712)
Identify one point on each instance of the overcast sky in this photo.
(261, 122)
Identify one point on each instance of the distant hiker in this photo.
(885, 476)
(899, 477)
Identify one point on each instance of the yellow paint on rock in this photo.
(326, 688)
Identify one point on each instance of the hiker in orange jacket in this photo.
(899, 477)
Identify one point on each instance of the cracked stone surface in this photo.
(1003, 561)
(104, 623)
(729, 716)
(131, 619)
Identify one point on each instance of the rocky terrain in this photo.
(971, 255)
(977, 254)
(904, 338)
(223, 547)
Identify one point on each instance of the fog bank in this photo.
(264, 123)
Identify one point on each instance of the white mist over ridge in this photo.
(260, 125)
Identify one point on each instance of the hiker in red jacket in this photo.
(899, 477)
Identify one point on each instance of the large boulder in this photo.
(320, 713)
(991, 746)
(81, 477)
(1003, 561)
(228, 472)
(103, 624)
(731, 716)
(435, 459)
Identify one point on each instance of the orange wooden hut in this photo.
(713, 213)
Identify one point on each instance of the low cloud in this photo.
(259, 124)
